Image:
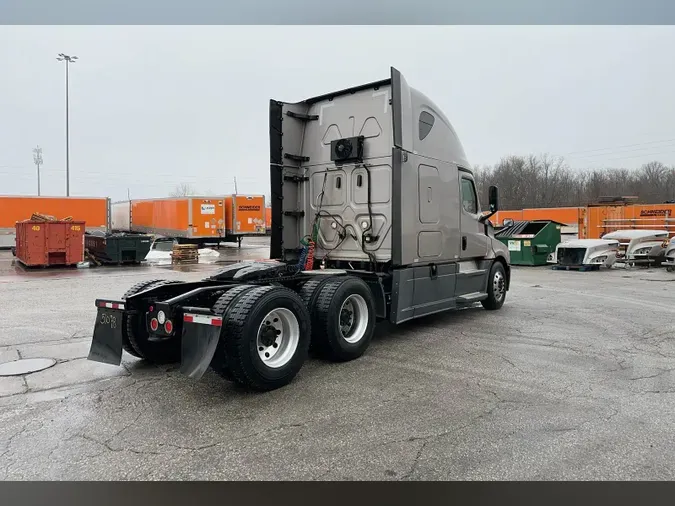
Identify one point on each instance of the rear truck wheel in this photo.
(496, 288)
(343, 318)
(219, 362)
(138, 287)
(166, 351)
(309, 293)
(265, 337)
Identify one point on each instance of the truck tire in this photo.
(266, 337)
(219, 362)
(138, 287)
(496, 287)
(166, 351)
(343, 319)
(310, 292)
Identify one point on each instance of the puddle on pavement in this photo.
(226, 254)
(207, 256)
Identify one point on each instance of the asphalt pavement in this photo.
(573, 379)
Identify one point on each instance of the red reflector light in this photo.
(168, 327)
(151, 309)
(154, 324)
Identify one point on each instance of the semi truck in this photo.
(375, 216)
(196, 220)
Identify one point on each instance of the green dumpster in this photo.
(530, 242)
(118, 248)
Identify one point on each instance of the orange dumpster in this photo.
(47, 243)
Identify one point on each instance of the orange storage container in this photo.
(245, 214)
(47, 243)
(182, 217)
(570, 216)
(605, 218)
(193, 218)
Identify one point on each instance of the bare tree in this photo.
(183, 190)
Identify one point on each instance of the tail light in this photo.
(154, 324)
(168, 327)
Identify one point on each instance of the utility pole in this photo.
(235, 185)
(37, 160)
(68, 59)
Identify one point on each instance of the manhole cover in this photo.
(25, 366)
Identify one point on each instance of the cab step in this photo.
(470, 298)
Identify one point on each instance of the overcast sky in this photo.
(153, 107)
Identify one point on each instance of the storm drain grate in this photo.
(25, 366)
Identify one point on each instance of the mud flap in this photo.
(106, 345)
(201, 334)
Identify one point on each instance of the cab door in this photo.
(474, 243)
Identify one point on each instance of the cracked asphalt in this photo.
(572, 380)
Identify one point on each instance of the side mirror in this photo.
(493, 194)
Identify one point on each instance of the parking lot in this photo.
(573, 379)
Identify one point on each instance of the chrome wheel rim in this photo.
(498, 286)
(353, 318)
(278, 338)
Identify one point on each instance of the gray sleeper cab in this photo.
(411, 190)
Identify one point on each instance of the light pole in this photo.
(68, 59)
(37, 159)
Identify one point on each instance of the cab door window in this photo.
(469, 198)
